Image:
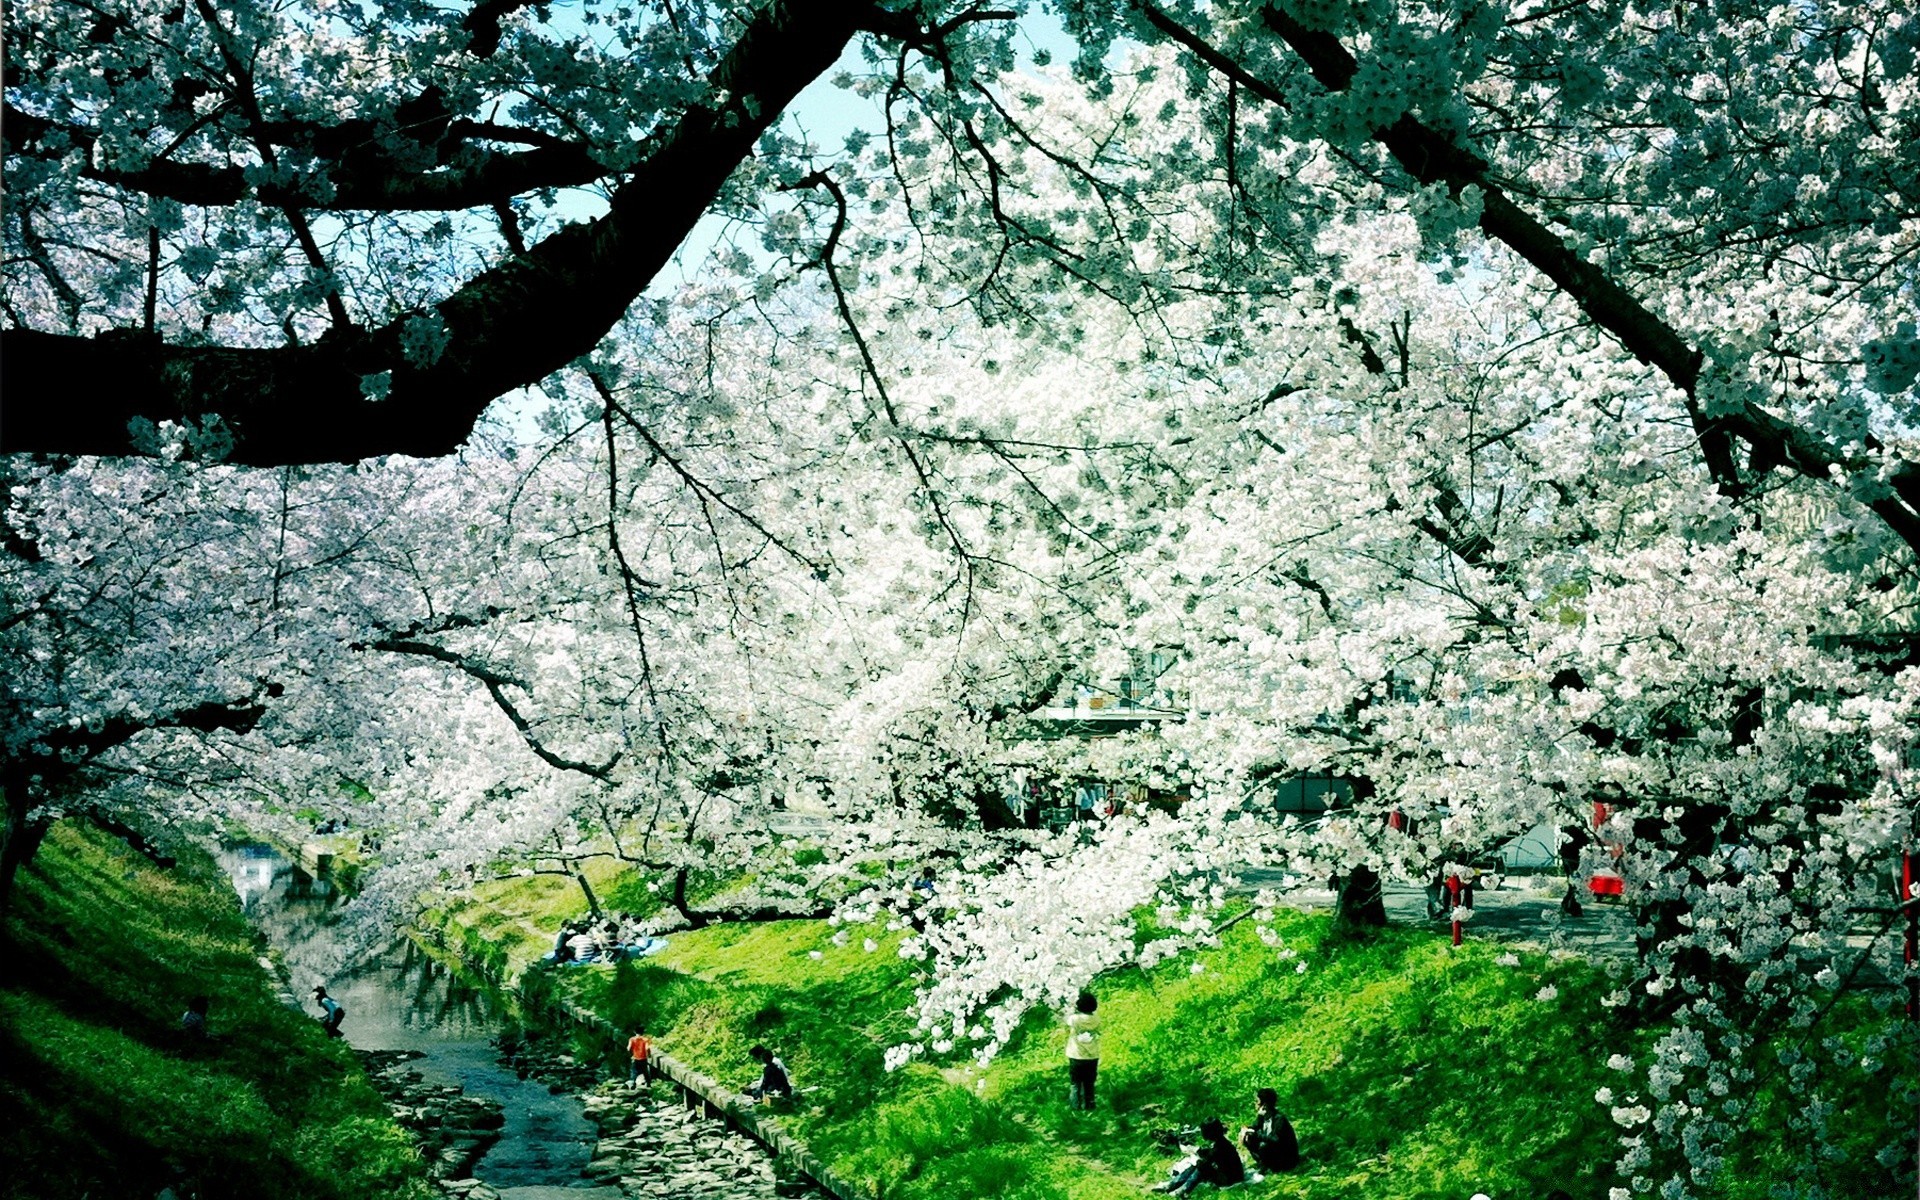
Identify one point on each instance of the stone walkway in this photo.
(1521, 909)
(653, 1146)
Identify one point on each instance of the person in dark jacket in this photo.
(774, 1083)
(1270, 1138)
(193, 1022)
(1219, 1164)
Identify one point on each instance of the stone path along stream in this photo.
(495, 1120)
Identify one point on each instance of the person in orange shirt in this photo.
(641, 1051)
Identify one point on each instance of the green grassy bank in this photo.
(1411, 1070)
(102, 1095)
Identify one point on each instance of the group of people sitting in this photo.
(609, 939)
(1269, 1140)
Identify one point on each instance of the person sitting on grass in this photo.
(1218, 1164)
(193, 1022)
(583, 947)
(1270, 1139)
(562, 949)
(774, 1084)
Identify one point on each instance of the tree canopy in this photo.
(1504, 409)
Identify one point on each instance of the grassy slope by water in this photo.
(1410, 1069)
(100, 1093)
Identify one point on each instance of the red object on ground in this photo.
(1606, 885)
(1453, 886)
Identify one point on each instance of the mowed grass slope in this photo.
(1411, 1069)
(100, 1092)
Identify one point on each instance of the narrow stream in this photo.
(400, 998)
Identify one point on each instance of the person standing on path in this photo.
(1573, 843)
(641, 1051)
(1083, 1050)
(331, 1013)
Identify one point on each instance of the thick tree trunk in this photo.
(1663, 922)
(22, 835)
(507, 327)
(1360, 902)
(678, 899)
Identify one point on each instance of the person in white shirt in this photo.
(1083, 1049)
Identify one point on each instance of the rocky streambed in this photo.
(452, 1130)
(649, 1144)
(496, 1114)
(652, 1146)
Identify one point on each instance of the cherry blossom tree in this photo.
(331, 236)
(1504, 409)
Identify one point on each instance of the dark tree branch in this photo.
(505, 328)
(483, 22)
(69, 749)
(1432, 157)
(698, 486)
(820, 179)
(1039, 694)
(466, 664)
(1300, 578)
(240, 68)
(496, 683)
(1473, 548)
(1160, 19)
(361, 181)
(630, 581)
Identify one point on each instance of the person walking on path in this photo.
(640, 1051)
(331, 1013)
(1270, 1139)
(1083, 1050)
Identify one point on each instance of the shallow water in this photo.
(398, 997)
